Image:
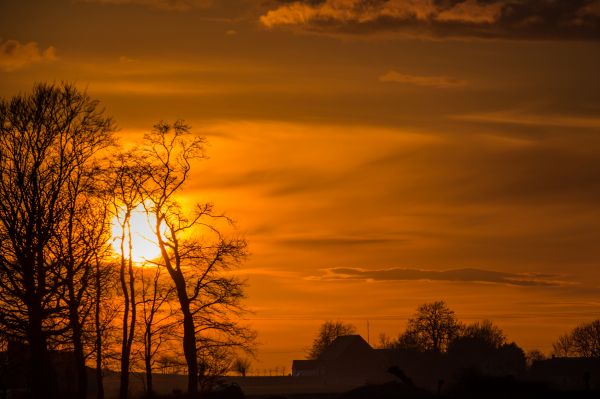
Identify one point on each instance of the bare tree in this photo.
(410, 340)
(213, 363)
(82, 238)
(328, 332)
(534, 355)
(105, 312)
(563, 347)
(194, 251)
(484, 332)
(583, 341)
(46, 140)
(385, 342)
(127, 176)
(241, 365)
(434, 325)
(157, 316)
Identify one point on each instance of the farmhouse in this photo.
(348, 359)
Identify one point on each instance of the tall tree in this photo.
(81, 241)
(47, 138)
(127, 177)
(434, 325)
(194, 250)
(328, 332)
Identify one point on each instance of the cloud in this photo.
(343, 242)
(508, 19)
(175, 5)
(15, 55)
(457, 275)
(528, 119)
(440, 82)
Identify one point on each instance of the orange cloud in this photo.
(457, 18)
(16, 55)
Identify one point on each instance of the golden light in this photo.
(144, 245)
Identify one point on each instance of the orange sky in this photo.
(376, 155)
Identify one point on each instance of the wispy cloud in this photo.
(16, 55)
(175, 5)
(458, 275)
(525, 19)
(440, 82)
(529, 119)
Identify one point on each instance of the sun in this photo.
(143, 240)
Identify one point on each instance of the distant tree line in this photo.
(434, 328)
(64, 185)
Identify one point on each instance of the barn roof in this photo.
(342, 344)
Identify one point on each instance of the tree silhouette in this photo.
(47, 140)
(127, 176)
(194, 251)
(433, 326)
(483, 333)
(59, 285)
(583, 340)
(157, 316)
(328, 332)
(241, 365)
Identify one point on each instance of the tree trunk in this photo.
(125, 350)
(82, 380)
(99, 377)
(189, 349)
(43, 375)
(129, 294)
(148, 363)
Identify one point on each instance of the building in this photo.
(348, 360)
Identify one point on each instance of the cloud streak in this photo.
(15, 55)
(439, 82)
(455, 275)
(174, 5)
(507, 19)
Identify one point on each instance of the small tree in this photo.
(409, 341)
(241, 365)
(563, 347)
(328, 332)
(434, 325)
(534, 355)
(213, 363)
(385, 342)
(157, 316)
(484, 332)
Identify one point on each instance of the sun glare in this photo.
(143, 241)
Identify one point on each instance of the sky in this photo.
(376, 154)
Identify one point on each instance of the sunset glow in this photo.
(375, 155)
(143, 241)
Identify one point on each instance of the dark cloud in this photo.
(459, 275)
(508, 19)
